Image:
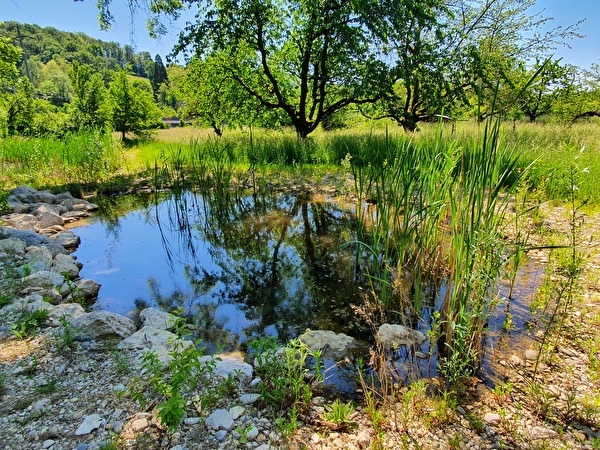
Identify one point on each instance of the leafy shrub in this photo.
(29, 322)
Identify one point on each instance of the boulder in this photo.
(22, 221)
(81, 290)
(28, 236)
(46, 217)
(69, 310)
(162, 342)
(39, 258)
(220, 420)
(331, 345)
(155, 318)
(393, 336)
(43, 279)
(67, 266)
(12, 245)
(67, 239)
(229, 364)
(30, 303)
(104, 325)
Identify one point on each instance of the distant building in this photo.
(176, 121)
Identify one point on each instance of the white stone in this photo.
(220, 419)
(248, 399)
(153, 317)
(335, 345)
(90, 423)
(230, 364)
(392, 336)
(236, 411)
(162, 342)
(66, 265)
(252, 432)
(44, 279)
(491, 418)
(104, 325)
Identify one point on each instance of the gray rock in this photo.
(27, 222)
(531, 354)
(153, 317)
(12, 246)
(41, 405)
(81, 291)
(104, 325)
(66, 265)
(332, 345)
(90, 423)
(220, 420)
(392, 336)
(69, 310)
(248, 399)
(28, 236)
(16, 206)
(191, 420)
(236, 411)
(162, 342)
(252, 432)
(44, 279)
(230, 364)
(67, 239)
(39, 257)
(220, 435)
(47, 218)
(48, 443)
(74, 216)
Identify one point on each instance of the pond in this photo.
(247, 265)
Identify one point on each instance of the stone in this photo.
(68, 310)
(74, 216)
(47, 443)
(191, 420)
(27, 222)
(236, 411)
(230, 364)
(252, 432)
(39, 257)
(67, 239)
(66, 265)
(139, 424)
(220, 420)
(104, 325)
(90, 423)
(28, 236)
(12, 246)
(47, 218)
(491, 418)
(393, 336)
(248, 399)
(41, 405)
(220, 435)
(81, 291)
(531, 354)
(44, 279)
(162, 342)
(153, 317)
(332, 345)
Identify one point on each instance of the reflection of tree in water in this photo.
(279, 259)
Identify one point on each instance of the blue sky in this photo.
(68, 15)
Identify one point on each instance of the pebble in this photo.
(191, 420)
(90, 423)
(47, 443)
(491, 418)
(220, 419)
(248, 399)
(252, 433)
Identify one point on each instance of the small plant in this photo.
(65, 337)
(340, 415)
(2, 378)
(168, 387)
(29, 322)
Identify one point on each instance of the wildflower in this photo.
(586, 170)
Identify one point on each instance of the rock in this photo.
(531, 354)
(191, 420)
(393, 336)
(491, 418)
(69, 310)
(74, 216)
(104, 325)
(230, 364)
(44, 279)
(81, 291)
(236, 411)
(41, 405)
(332, 345)
(139, 424)
(155, 318)
(39, 257)
(252, 432)
(220, 435)
(67, 239)
(540, 432)
(248, 399)
(66, 265)
(27, 236)
(26, 222)
(220, 420)
(47, 443)
(162, 342)
(90, 423)
(47, 218)
(12, 245)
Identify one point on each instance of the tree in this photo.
(305, 58)
(10, 55)
(159, 75)
(131, 107)
(87, 108)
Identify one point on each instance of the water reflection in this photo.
(246, 264)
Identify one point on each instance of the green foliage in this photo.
(65, 337)
(87, 109)
(10, 55)
(131, 107)
(284, 373)
(340, 415)
(185, 371)
(29, 322)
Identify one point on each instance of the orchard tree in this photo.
(305, 58)
(87, 107)
(131, 107)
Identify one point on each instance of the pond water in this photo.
(247, 265)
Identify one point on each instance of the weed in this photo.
(29, 322)
(47, 388)
(65, 337)
(2, 380)
(340, 415)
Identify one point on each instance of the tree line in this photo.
(306, 64)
